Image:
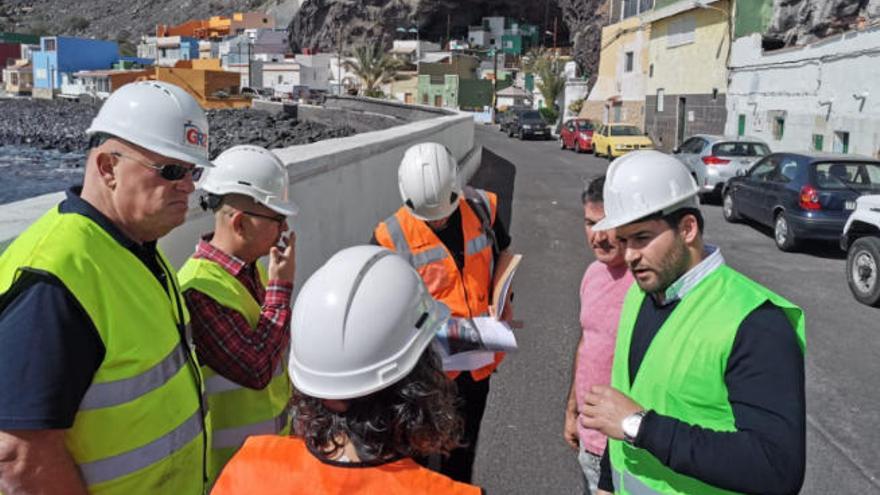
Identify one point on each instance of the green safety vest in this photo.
(237, 412)
(140, 427)
(682, 373)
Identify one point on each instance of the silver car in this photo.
(714, 159)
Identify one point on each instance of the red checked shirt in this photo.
(223, 338)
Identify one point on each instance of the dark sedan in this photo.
(801, 195)
(529, 124)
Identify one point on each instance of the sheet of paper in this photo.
(465, 361)
(496, 335)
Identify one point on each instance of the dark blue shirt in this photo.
(49, 347)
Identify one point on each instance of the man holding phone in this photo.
(240, 311)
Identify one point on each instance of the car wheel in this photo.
(608, 155)
(562, 144)
(862, 261)
(577, 147)
(522, 136)
(782, 233)
(729, 209)
(510, 133)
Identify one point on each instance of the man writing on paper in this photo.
(451, 235)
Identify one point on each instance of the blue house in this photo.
(61, 56)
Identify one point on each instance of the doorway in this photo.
(682, 120)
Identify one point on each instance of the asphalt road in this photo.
(521, 450)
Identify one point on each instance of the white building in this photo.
(488, 34)
(822, 96)
(410, 51)
(512, 96)
(148, 48)
(341, 79)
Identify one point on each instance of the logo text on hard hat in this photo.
(194, 136)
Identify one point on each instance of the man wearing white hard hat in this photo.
(452, 236)
(241, 311)
(101, 392)
(707, 385)
(369, 393)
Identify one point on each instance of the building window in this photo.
(778, 127)
(424, 98)
(841, 142)
(50, 45)
(661, 95)
(629, 8)
(651, 70)
(280, 79)
(714, 94)
(741, 125)
(818, 142)
(680, 31)
(629, 62)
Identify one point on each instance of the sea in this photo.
(26, 172)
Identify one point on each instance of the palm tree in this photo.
(550, 70)
(373, 68)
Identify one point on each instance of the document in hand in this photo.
(504, 272)
(468, 344)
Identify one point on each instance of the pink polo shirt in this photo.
(602, 292)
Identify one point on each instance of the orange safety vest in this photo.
(466, 292)
(271, 464)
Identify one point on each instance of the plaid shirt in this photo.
(223, 338)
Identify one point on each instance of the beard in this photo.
(670, 268)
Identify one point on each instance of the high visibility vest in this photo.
(682, 373)
(237, 412)
(271, 465)
(140, 427)
(465, 292)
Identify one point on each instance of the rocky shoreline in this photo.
(61, 125)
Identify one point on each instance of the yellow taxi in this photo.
(613, 140)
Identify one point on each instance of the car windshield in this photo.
(531, 116)
(740, 149)
(625, 130)
(859, 176)
(585, 125)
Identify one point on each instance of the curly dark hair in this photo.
(414, 417)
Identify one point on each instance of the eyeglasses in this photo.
(279, 219)
(170, 171)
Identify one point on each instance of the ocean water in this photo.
(26, 172)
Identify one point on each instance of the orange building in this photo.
(218, 26)
(203, 79)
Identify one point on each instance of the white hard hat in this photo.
(642, 183)
(362, 322)
(252, 171)
(157, 116)
(428, 180)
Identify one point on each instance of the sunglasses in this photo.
(170, 171)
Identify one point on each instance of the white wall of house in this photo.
(827, 89)
(575, 89)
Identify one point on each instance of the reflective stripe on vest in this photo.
(139, 428)
(134, 460)
(700, 332)
(630, 484)
(109, 394)
(237, 411)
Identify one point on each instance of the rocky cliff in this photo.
(122, 19)
(796, 22)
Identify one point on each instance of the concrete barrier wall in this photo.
(343, 187)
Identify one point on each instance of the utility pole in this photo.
(448, 24)
(339, 63)
(555, 21)
(494, 84)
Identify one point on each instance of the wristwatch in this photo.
(631, 425)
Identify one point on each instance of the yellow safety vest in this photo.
(141, 427)
(237, 412)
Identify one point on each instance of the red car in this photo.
(577, 135)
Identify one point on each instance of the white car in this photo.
(861, 241)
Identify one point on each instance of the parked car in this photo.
(505, 120)
(714, 159)
(801, 195)
(577, 135)
(861, 241)
(614, 140)
(529, 124)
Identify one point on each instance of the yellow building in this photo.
(687, 70)
(619, 93)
